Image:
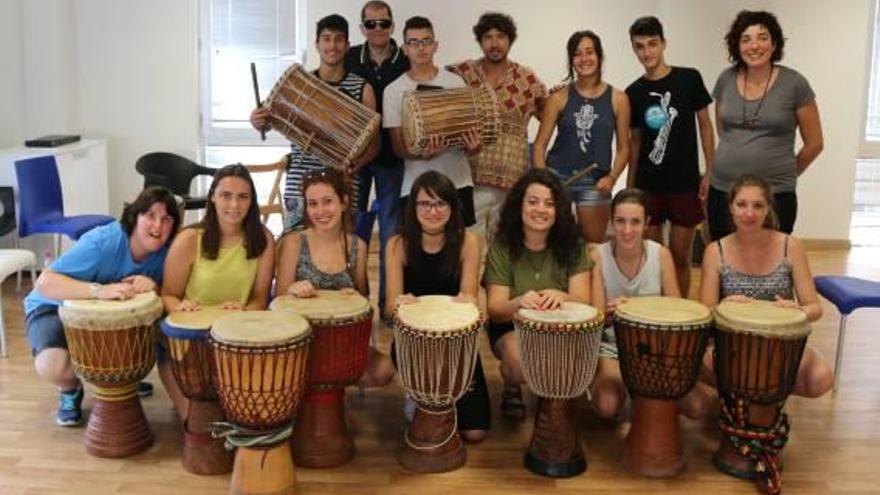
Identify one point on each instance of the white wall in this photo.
(134, 79)
(11, 90)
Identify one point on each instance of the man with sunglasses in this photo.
(520, 96)
(332, 44)
(420, 45)
(380, 61)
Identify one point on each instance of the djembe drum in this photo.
(660, 342)
(436, 347)
(191, 359)
(111, 346)
(560, 351)
(758, 350)
(341, 323)
(260, 365)
(449, 114)
(319, 118)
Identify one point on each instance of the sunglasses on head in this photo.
(380, 23)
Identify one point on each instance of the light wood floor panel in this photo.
(834, 445)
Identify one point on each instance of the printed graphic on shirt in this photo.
(584, 119)
(660, 117)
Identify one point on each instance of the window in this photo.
(235, 33)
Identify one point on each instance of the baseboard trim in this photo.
(825, 244)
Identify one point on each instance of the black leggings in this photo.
(719, 212)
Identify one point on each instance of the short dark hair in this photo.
(332, 22)
(495, 20)
(747, 18)
(571, 47)
(145, 200)
(375, 5)
(630, 195)
(646, 26)
(254, 232)
(417, 22)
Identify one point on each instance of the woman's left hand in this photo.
(231, 305)
(605, 184)
(552, 299)
(786, 303)
(464, 298)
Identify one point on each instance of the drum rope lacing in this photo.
(760, 444)
(239, 436)
(574, 355)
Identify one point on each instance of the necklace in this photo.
(536, 268)
(750, 121)
(642, 258)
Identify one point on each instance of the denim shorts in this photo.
(583, 191)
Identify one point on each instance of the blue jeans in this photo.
(389, 178)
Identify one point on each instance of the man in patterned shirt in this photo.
(520, 96)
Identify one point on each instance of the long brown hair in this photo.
(254, 234)
(770, 222)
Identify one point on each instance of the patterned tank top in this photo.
(764, 287)
(306, 269)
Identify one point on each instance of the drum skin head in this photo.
(197, 320)
(438, 314)
(657, 310)
(260, 328)
(761, 318)
(571, 312)
(326, 305)
(95, 314)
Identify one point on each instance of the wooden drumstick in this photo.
(257, 94)
(578, 176)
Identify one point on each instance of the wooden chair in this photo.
(274, 204)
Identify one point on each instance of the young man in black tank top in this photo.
(666, 103)
(331, 43)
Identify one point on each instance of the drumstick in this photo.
(578, 176)
(257, 94)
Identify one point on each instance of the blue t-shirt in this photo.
(102, 255)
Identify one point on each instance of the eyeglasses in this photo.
(423, 43)
(378, 23)
(426, 206)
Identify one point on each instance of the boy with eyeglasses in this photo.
(332, 43)
(380, 61)
(420, 45)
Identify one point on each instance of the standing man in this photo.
(380, 61)
(421, 46)
(667, 104)
(520, 96)
(331, 41)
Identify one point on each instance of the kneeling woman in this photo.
(626, 266)
(537, 261)
(434, 254)
(224, 260)
(327, 256)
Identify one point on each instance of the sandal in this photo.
(512, 405)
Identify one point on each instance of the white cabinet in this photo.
(82, 170)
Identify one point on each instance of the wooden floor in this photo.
(834, 445)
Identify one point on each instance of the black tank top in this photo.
(425, 276)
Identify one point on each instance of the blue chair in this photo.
(41, 208)
(848, 294)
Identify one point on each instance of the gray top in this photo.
(307, 270)
(765, 149)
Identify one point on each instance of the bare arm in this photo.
(178, 263)
(499, 305)
(361, 281)
(597, 282)
(810, 128)
(707, 143)
(470, 266)
(620, 103)
(668, 280)
(259, 298)
(804, 288)
(395, 257)
(549, 116)
(288, 259)
(58, 286)
(710, 286)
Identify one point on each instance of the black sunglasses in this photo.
(374, 23)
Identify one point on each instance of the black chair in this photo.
(174, 172)
(7, 218)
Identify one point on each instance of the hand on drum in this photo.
(738, 298)
(464, 298)
(786, 303)
(406, 299)
(436, 145)
(118, 291)
(473, 142)
(260, 119)
(140, 283)
(611, 307)
(546, 299)
(231, 305)
(188, 305)
(302, 288)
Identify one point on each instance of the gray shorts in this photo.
(44, 329)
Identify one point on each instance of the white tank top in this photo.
(648, 282)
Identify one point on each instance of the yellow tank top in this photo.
(230, 277)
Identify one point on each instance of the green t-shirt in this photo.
(533, 270)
